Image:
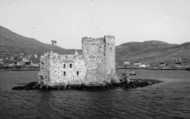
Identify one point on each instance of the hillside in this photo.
(12, 44)
(153, 52)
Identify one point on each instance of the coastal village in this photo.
(22, 61)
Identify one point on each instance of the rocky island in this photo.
(93, 69)
(134, 83)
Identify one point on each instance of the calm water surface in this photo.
(167, 100)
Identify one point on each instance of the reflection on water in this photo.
(168, 100)
(44, 107)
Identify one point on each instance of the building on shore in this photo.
(95, 66)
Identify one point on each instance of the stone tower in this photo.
(99, 56)
(95, 66)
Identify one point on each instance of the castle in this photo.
(95, 66)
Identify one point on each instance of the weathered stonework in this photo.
(95, 66)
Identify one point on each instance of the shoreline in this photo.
(185, 69)
(134, 83)
(20, 69)
(37, 69)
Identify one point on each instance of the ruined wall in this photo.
(99, 56)
(110, 57)
(93, 52)
(44, 69)
(64, 69)
(95, 66)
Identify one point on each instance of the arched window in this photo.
(71, 65)
(77, 73)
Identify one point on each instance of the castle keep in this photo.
(96, 64)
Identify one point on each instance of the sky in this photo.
(67, 21)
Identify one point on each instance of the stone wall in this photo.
(110, 58)
(99, 56)
(95, 66)
(63, 69)
(44, 69)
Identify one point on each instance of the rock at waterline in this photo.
(134, 83)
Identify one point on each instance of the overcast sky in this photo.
(68, 20)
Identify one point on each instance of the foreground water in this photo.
(167, 100)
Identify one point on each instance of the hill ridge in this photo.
(152, 51)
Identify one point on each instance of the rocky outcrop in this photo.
(133, 83)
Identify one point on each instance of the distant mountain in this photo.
(153, 52)
(12, 44)
(148, 52)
